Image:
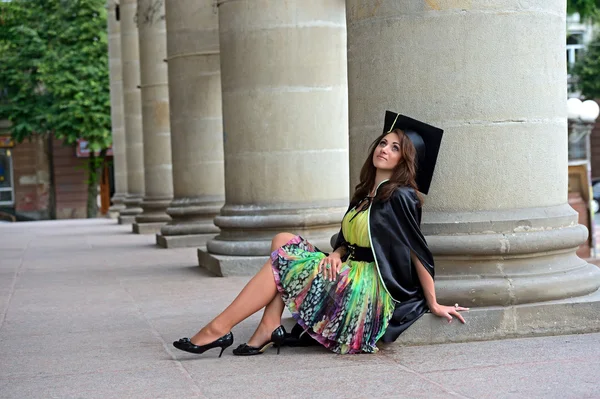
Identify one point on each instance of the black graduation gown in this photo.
(394, 231)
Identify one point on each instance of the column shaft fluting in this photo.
(284, 88)
(196, 122)
(132, 108)
(155, 117)
(116, 108)
(492, 74)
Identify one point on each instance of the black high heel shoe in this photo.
(186, 345)
(277, 338)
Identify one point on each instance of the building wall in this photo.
(70, 176)
(31, 178)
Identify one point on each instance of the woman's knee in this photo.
(281, 239)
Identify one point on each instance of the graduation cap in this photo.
(425, 138)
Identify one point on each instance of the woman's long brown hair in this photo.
(403, 175)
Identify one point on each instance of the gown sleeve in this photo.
(408, 214)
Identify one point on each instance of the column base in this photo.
(132, 206)
(225, 265)
(509, 257)
(118, 202)
(192, 222)
(125, 219)
(154, 211)
(251, 248)
(117, 208)
(183, 241)
(248, 230)
(568, 316)
(147, 228)
(113, 213)
(244, 243)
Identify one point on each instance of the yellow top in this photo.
(356, 231)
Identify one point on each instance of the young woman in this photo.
(376, 282)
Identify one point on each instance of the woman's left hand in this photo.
(448, 311)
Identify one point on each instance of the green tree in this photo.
(54, 75)
(587, 70)
(587, 9)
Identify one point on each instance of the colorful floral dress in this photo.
(347, 315)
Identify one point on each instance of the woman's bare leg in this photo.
(258, 293)
(271, 319)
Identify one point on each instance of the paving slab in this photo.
(70, 353)
(29, 325)
(7, 279)
(364, 381)
(43, 279)
(456, 357)
(9, 254)
(89, 310)
(166, 382)
(569, 379)
(4, 299)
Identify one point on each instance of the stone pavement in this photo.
(89, 310)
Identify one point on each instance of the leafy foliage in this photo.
(54, 74)
(22, 48)
(587, 70)
(587, 9)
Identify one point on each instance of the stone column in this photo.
(158, 176)
(284, 88)
(196, 123)
(116, 109)
(133, 111)
(493, 75)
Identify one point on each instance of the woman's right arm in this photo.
(429, 292)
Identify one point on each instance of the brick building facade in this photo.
(27, 184)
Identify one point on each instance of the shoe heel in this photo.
(278, 337)
(222, 350)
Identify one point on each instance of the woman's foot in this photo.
(223, 342)
(262, 334)
(276, 339)
(208, 334)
